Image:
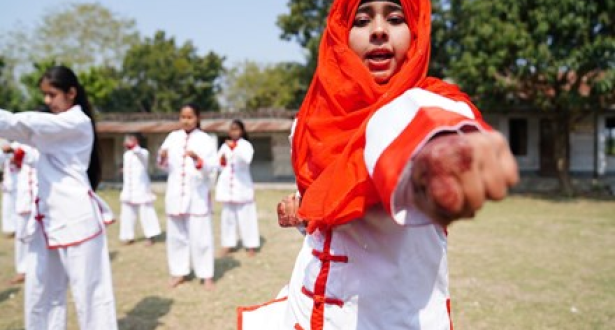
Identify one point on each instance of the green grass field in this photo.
(526, 263)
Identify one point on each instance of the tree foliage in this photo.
(160, 76)
(552, 55)
(251, 86)
(83, 34)
(10, 94)
(545, 53)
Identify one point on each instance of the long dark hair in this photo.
(197, 112)
(244, 133)
(63, 78)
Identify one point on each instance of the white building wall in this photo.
(531, 161)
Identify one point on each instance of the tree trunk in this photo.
(561, 150)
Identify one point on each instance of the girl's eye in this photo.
(361, 21)
(397, 20)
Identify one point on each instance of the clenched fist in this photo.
(287, 212)
(453, 175)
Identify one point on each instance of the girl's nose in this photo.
(47, 100)
(379, 31)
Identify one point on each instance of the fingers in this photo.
(454, 175)
(287, 212)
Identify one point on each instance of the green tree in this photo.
(10, 95)
(304, 24)
(30, 80)
(251, 86)
(83, 34)
(159, 76)
(556, 56)
(102, 84)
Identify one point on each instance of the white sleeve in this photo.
(12, 128)
(244, 152)
(208, 156)
(23, 125)
(165, 146)
(142, 154)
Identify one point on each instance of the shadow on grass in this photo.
(6, 294)
(113, 255)
(223, 265)
(146, 314)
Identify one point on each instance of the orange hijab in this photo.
(329, 138)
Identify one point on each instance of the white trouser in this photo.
(21, 247)
(86, 267)
(189, 238)
(244, 215)
(9, 215)
(128, 220)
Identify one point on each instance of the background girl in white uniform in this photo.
(235, 190)
(136, 195)
(24, 159)
(189, 157)
(69, 245)
(9, 178)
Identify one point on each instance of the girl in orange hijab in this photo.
(385, 159)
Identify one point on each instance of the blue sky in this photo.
(240, 29)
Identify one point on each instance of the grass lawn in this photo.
(526, 263)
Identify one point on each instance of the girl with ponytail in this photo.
(68, 243)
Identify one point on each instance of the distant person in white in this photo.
(24, 159)
(189, 156)
(137, 197)
(69, 245)
(235, 190)
(9, 181)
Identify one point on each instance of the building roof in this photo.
(266, 121)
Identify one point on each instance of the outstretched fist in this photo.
(453, 175)
(287, 212)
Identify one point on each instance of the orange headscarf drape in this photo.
(329, 138)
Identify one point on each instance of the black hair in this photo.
(244, 133)
(63, 78)
(197, 112)
(140, 138)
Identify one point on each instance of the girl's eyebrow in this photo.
(389, 8)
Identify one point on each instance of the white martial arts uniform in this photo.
(387, 270)
(188, 203)
(25, 159)
(9, 180)
(235, 190)
(69, 245)
(137, 197)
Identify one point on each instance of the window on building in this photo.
(610, 136)
(262, 148)
(518, 136)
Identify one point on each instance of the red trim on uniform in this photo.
(298, 327)
(317, 319)
(199, 163)
(322, 299)
(18, 155)
(391, 163)
(39, 217)
(241, 310)
(53, 247)
(328, 257)
(448, 308)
